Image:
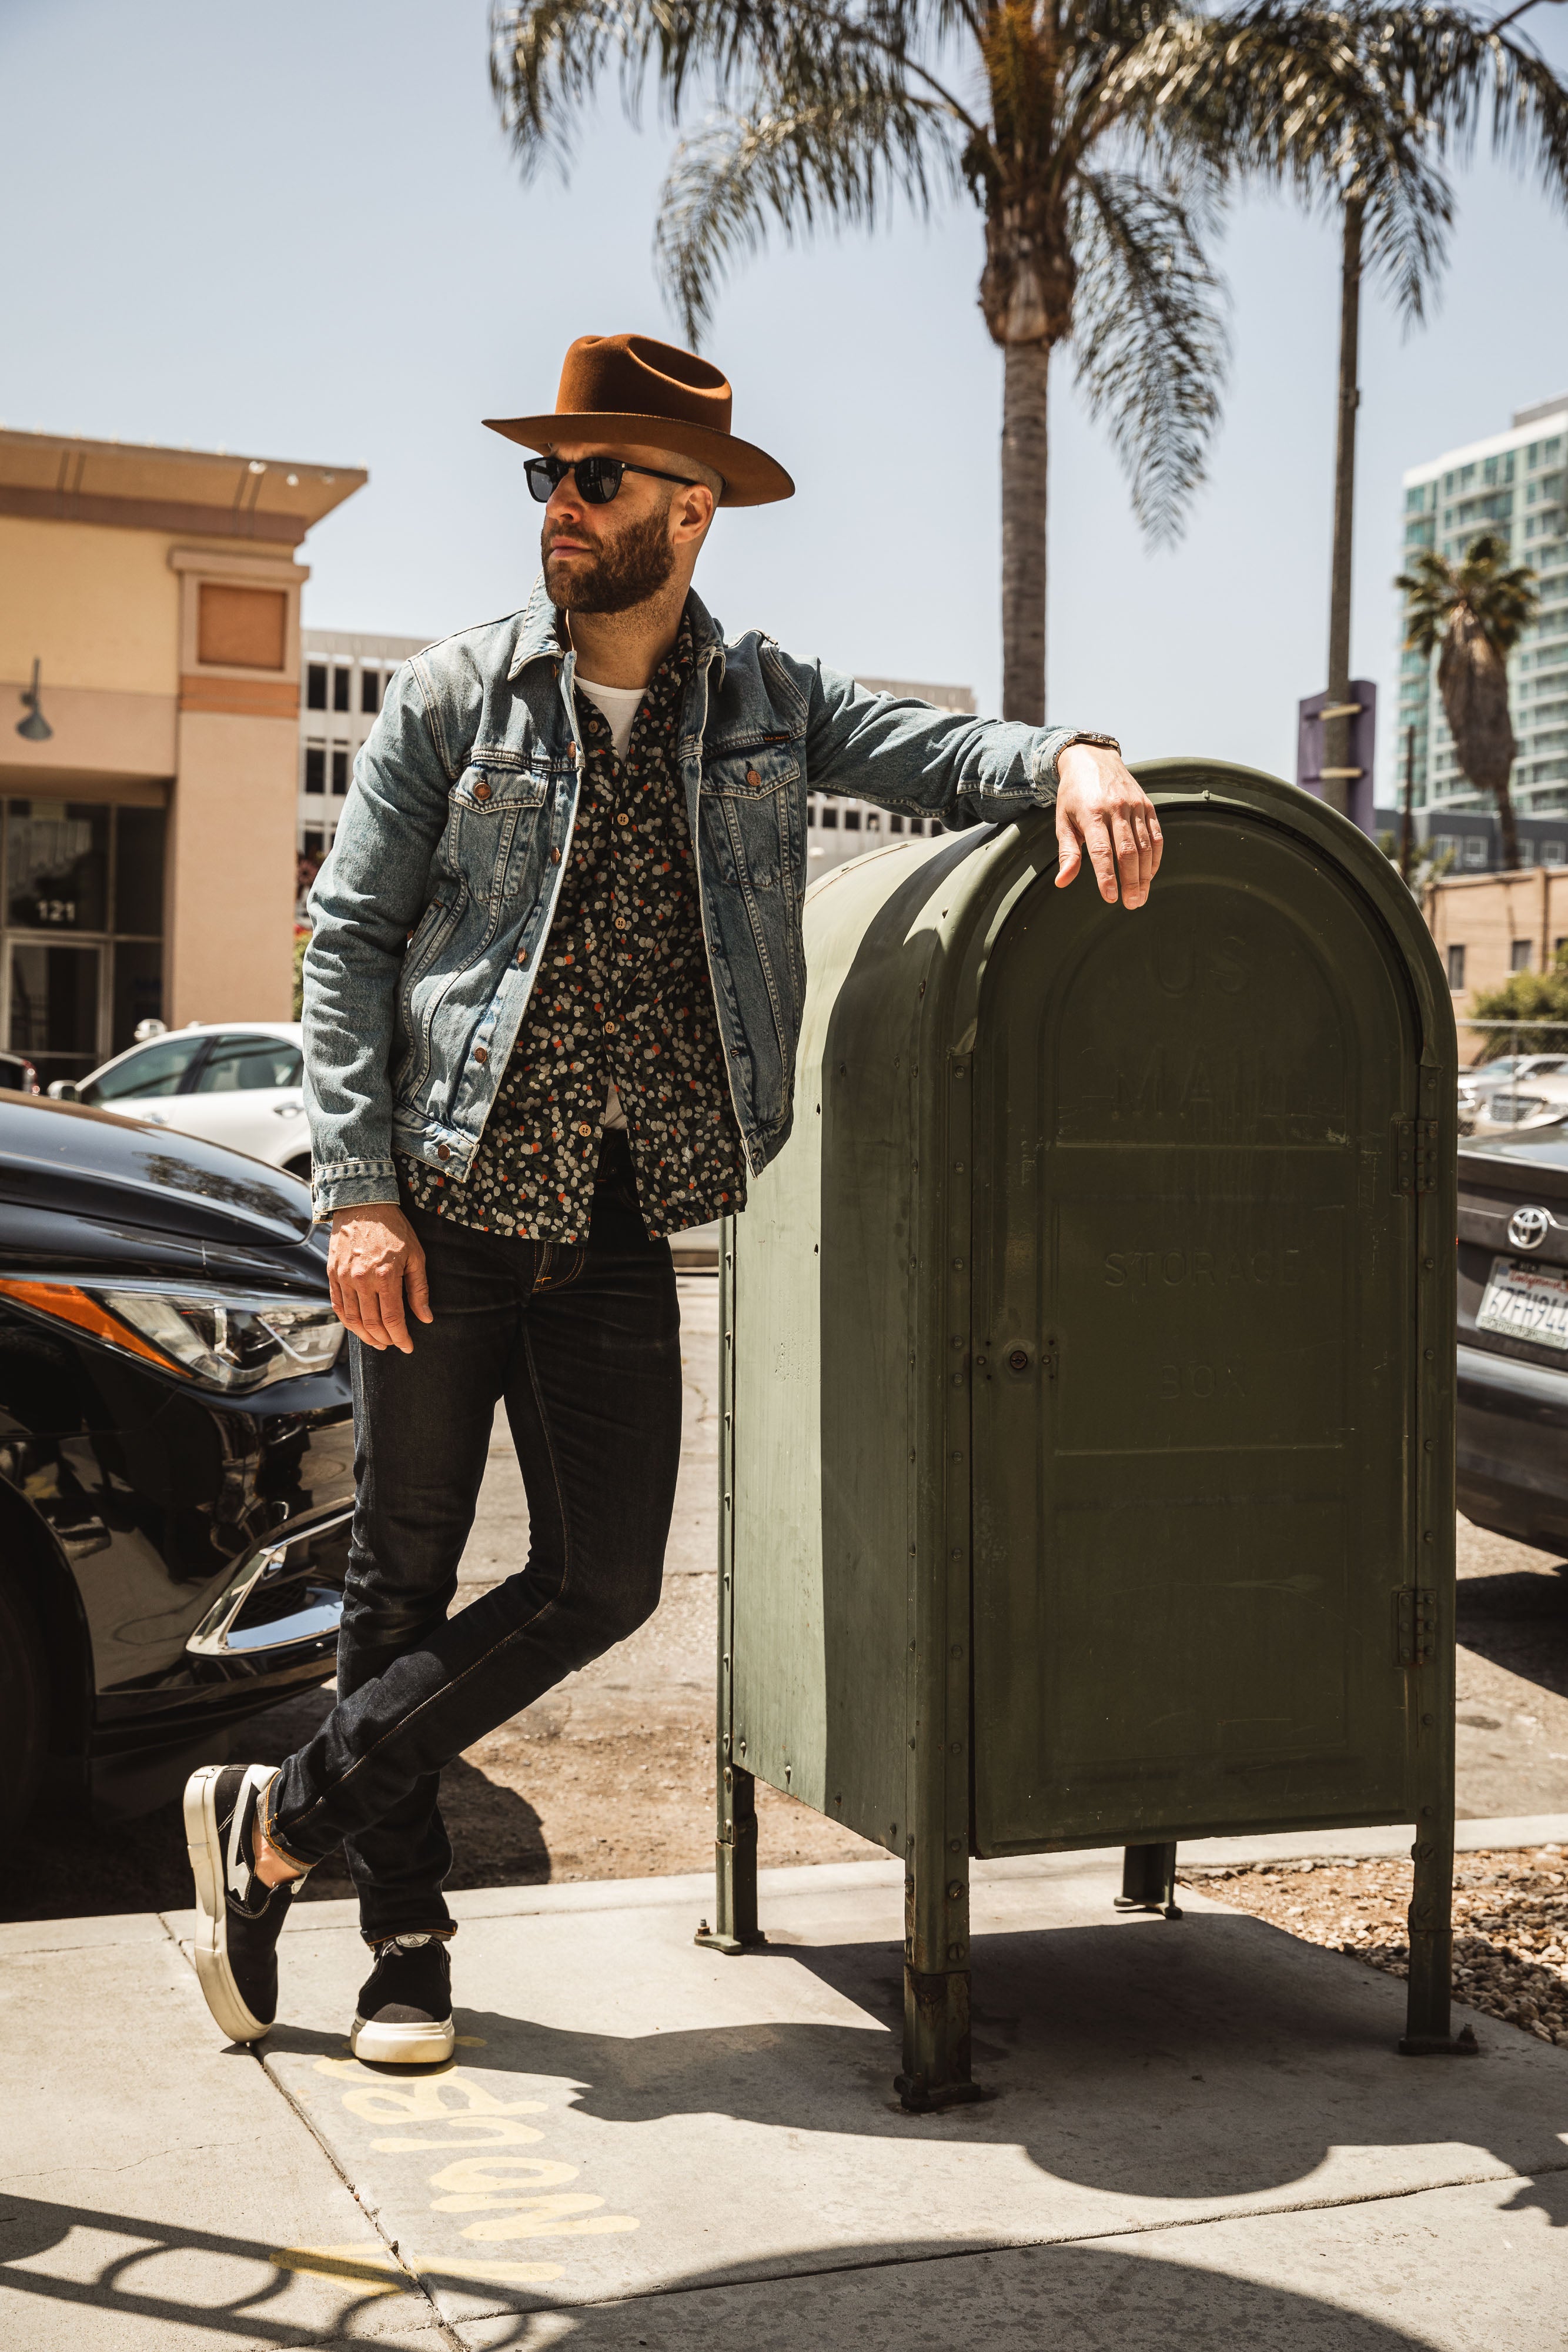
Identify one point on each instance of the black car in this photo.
(176, 1451)
(1513, 1335)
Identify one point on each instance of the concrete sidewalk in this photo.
(1197, 2132)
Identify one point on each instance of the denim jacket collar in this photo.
(542, 637)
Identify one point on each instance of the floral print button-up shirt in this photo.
(624, 997)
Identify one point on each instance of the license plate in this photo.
(1526, 1302)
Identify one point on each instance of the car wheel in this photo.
(300, 1166)
(24, 1710)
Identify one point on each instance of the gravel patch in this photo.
(1511, 1923)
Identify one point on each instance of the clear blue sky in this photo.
(297, 231)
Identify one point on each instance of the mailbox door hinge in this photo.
(1415, 1625)
(1415, 1155)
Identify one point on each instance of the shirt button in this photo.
(442, 1153)
(480, 1053)
(584, 1129)
(481, 791)
(623, 820)
(610, 1028)
(620, 924)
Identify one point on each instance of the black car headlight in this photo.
(238, 1342)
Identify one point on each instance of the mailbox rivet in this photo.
(954, 1845)
(980, 1361)
(958, 1167)
(956, 1749)
(1428, 1263)
(1429, 1444)
(1430, 1352)
(958, 1265)
(957, 1555)
(955, 1891)
(1427, 1721)
(1429, 1537)
(957, 1646)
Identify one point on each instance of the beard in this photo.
(630, 569)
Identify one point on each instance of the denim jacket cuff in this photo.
(353, 1184)
(1049, 749)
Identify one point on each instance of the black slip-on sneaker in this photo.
(238, 1920)
(403, 2016)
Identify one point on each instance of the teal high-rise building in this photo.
(1516, 484)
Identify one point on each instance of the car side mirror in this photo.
(64, 1090)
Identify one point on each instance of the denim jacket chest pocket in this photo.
(746, 803)
(497, 817)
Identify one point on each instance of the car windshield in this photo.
(154, 1069)
(242, 1065)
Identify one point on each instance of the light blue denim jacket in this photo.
(430, 914)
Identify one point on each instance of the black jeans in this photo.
(583, 1343)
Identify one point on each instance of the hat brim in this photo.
(751, 478)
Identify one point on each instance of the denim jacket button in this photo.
(442, 1152)
(481, 1053)
(481, 791)
(752, 777)
(555, 857)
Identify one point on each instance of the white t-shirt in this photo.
(619, 705)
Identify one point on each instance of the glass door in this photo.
(55, 988)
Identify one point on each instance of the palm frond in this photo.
(1149, 339)
(837, 162)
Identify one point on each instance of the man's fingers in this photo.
(388, 1306)
(1069, 851)
(1128, 864)
(1102, 857)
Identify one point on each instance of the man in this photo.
(552, 1002)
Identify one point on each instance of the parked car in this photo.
(1513, 1335)
(240, 1083)
(18, 1075)
(176, 1451)
(1505, 1091)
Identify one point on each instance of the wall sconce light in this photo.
(35, 728)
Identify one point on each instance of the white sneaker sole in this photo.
(204, 1845)
(402, 2046)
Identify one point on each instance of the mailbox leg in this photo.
(735, 1927)
(1427, 2023)
(935, 1982)
(1148, 1880)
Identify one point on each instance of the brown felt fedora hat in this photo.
(630, 388)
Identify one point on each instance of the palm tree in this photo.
(1444, 72)
(1096, 137)
(1478, 612)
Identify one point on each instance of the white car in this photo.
(240, 1083)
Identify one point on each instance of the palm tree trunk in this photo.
(1508, 829)
(1026, 367)
(1336, 731)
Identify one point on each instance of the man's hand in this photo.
(1103, 813)
(374, 1257)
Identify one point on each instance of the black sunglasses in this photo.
(598, 479)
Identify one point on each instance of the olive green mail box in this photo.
(1087, 1442)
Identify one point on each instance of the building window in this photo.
(315, 686)
(810, 814)
(1551, 853)
(830, 820)
(851, 819)
(1456, 971)
(314, 842)
(370, 689)
(1475, 849)
(340, 678)
(339, 773)
(1519, 955)
(315, 767)
(895, 824)
(78, 877)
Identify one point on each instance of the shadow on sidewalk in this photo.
(1084, 2295)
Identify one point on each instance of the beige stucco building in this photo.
(1487, 926)
(148, 839)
